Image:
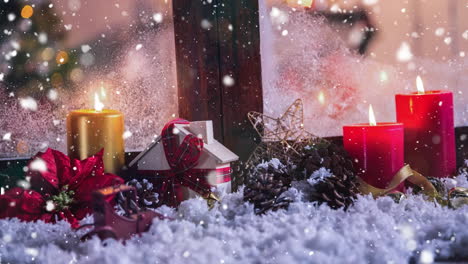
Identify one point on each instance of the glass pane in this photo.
(341, 56)
(57, 54)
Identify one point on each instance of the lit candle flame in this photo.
(300, 3)
(419, 84)
(321, 97)
(98, 105)
(372, 121)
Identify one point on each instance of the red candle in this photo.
(429, 130)
(377, 149)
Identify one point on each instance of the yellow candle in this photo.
(89, 131)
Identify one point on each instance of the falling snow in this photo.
(158, 18)
(404, 52)
(127, 134)
(52, 94)
(465, 34)
(28, 103)
(7, 136)
(448, 40)
(42, 37)
(440, 31)
(228, 81)
(205, 24)
(85, 48)
(370, 2)
(50, 206)
(38, 165)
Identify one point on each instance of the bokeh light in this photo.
(47, 54)
(76, 75)
(62, 57)
(27, 11)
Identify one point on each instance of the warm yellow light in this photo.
(300, 3)
(27, 11)
(98, 105)
(321, 97)
(76, 75)
(47, 54)
(62, 57)
(372, 121)
(419, 84)
(56, 80)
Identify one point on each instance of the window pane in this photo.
(55, 55)
(341, 56)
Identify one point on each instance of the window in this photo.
(56, 54)
(341, 56)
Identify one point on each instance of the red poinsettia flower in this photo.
(60, 188)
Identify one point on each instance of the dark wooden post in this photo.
(219, 40)
(197, 60)
(239, 40)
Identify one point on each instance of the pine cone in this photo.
(336, 191)
(265, 186)
(340, 188)
(242, 171)
(327, 155)
(147, 197)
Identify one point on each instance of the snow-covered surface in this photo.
(319, 175)
(371, 231)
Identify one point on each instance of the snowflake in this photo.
(28, 103)
(7, 136)
(42, 38)
(228, 81)
(370, 2)
(52, 94)
(38, 165)
(205, 24)
(404, 52)
(127, 134)
(157, 17)
(85, 48)
(439, 31)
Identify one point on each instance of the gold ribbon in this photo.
(211, 199)
(405, 173)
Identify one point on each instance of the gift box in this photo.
(186, 161)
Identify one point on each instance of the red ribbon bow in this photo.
(182, 159)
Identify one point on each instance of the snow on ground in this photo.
(372, 231)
